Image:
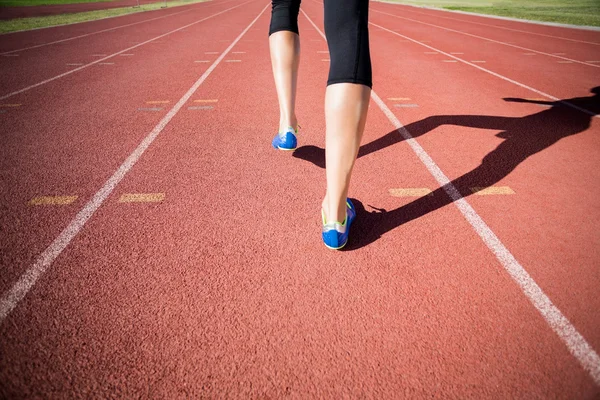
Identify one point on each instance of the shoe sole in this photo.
(284, 149)
(335, 248)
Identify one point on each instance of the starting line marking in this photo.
(411, 192)
(142, 198)
(52, 200)
(486, 191)
(206, 101)
(406, 105)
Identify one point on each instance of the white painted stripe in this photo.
(106, 63)
(74, 64)
(11, 298)
(489, 40)
(591, 113)
(115, 54)
(202, 61)
(574, 341)
(92, 33)
(406, 105)
(503, 27)
(238, 52)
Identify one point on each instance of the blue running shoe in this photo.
(286, 140)
(335, 234)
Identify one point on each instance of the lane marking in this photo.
(399, 98)
(406, 105)
(478, 62)
(575, 342)
(492, 190)
(488, 39)
(411, 192)
(114, 54)
(106, 63)
(74, 64)
(150, 109)
(10, 105)
(157, 102)
(458, 54)
(593, 62)
(126, 55)
(565, 62)
(52, 200)
(233, 60)
(211, 52)
(201, 108)
(238, 52)
(206, 101)
(12, 297)
(497, 75)
(503, 27)
(90, 34)
(142, 198)
(98, 55)
(202, 61)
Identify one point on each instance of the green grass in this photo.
(20, 3)
(21, 24)
(576, 12)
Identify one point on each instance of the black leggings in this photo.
(347, 32)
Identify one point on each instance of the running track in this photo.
(186, 260)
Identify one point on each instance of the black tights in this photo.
(347, 32)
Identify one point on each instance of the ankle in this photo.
(284, 124)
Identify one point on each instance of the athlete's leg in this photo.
(284, 44)
(346, 98)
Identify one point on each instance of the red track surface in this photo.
(224, 289)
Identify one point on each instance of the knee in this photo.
(284, 16)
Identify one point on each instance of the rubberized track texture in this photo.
(154, 245)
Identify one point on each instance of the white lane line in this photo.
(97, 32)
(11, 298)
(114, 54)
(531, 51)
(591, 113)
(503, 27)
(574, 341)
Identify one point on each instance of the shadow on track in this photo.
(524, 137)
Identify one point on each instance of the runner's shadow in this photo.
(524, 137)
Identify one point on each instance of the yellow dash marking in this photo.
(410, 192)
(157, 102)
(233, 60)
(10, 105)
(399, 98)
(491, 190)
(206, 101)
(478, 62)
(238, 52)
(322, 51)
(325, 59)
(202, 61)
(52, 200)
(142, 198)
(593, 62)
